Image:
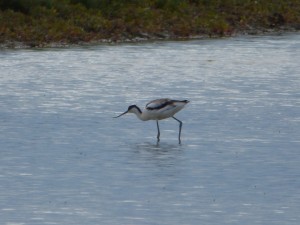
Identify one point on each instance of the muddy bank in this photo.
(145, 37)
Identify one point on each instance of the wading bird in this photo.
(158, 109)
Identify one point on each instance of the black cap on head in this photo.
(134, 106)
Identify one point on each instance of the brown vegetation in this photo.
(42, 22)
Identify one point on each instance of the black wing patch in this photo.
(160, 106)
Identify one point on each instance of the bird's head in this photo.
(131, 109)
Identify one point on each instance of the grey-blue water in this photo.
(65, 160)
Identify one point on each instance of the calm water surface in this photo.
(65, 160)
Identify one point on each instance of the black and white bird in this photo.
(159, 109)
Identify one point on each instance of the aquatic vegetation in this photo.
(37, 23)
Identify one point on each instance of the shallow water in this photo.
(65, 160)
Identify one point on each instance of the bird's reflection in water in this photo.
(159, 147)
(162, 154)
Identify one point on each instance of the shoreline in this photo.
(64, 23)
(148, 38)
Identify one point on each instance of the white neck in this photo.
(138, 113)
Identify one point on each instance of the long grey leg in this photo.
(180, 126)
(158, 132)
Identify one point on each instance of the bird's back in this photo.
(163, 108)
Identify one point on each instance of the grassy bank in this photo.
(42, 22)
